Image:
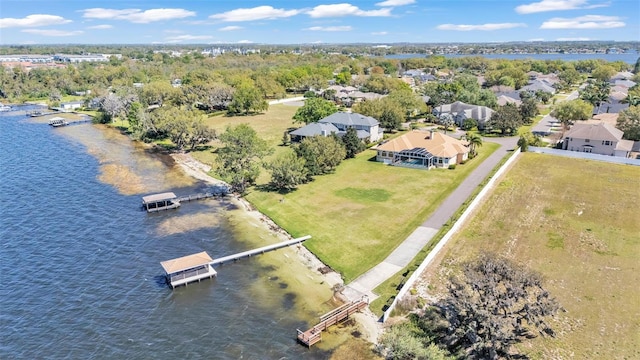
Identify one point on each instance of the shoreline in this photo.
(367, 320)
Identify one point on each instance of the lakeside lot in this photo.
(358, 214)
(576, 222)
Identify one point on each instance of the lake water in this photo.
(629, 58)
(80, 261)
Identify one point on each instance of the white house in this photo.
(600, 138)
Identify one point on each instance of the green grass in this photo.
(389, 288)
(575, 222)
(359, 214)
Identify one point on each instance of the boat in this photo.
(4, 107)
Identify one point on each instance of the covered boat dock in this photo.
(58, 121)
(157, 202)
(187, 269)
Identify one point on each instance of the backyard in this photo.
(356, 215)
(575, 222)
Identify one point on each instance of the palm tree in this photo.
(631, 99)
(475, 141)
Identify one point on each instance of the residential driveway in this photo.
(407, 250)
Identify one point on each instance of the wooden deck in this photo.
(314, 335)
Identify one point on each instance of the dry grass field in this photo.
(577, 223)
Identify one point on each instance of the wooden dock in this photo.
(262, 250)
(168, 200)
(314, 335)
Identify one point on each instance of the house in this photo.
(367, 128)
(313, 129)
(72, 105)
(423, 149)
(460, 111)
(366, 125)
(600, 138)
(504, 100)
(539, 85)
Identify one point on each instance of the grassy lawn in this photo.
(359, 214)
(575, 222)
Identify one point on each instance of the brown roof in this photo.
(158, 197)
(186, 262)
(600, 131)
(439, 144)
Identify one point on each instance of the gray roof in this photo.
(536, 85)
(314, 129)
(599, 131)
(350, 119)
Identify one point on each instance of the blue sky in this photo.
(311, 21)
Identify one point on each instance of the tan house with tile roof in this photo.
(600, 138)
(423, 149)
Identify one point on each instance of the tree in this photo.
(492, 305)
(239, 158)
(569, 111)
(247, 99)
(404, 341)
(353, 145)
(629, 122)
(568, 77)
(528, 109)
(287, 172)
(506, 119)
(523, 144)
(596, 92)
(321, 154)
(386, 110)
(603, 72)
(314, 109)
(475, 141)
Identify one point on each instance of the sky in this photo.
(315, 21)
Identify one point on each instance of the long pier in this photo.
(261, 250)
(314, 335)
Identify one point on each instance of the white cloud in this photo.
(256, 13)
(395, 2)
(379, 33)
(100, 27)
(50, 32)
(329, 28)
(536, 39)
(245, 42)
(137, 15)
(584, 22)
(33, 21)
(181, 38)
(574, 39)
(230, 28)
(482, 27)
(337, 10)
(556, 5)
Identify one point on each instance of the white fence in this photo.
(456, 226)
(584, 155)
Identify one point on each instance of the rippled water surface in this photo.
(80, 261)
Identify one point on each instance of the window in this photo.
(586, 140)
(606, 142)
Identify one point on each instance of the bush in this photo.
(452, 167)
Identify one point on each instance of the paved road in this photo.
(408, 249)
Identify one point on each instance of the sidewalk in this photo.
(407, 250)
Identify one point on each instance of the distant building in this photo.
(367, 128)
(80, 58)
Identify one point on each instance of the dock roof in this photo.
(158, 197)
(186, 262)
